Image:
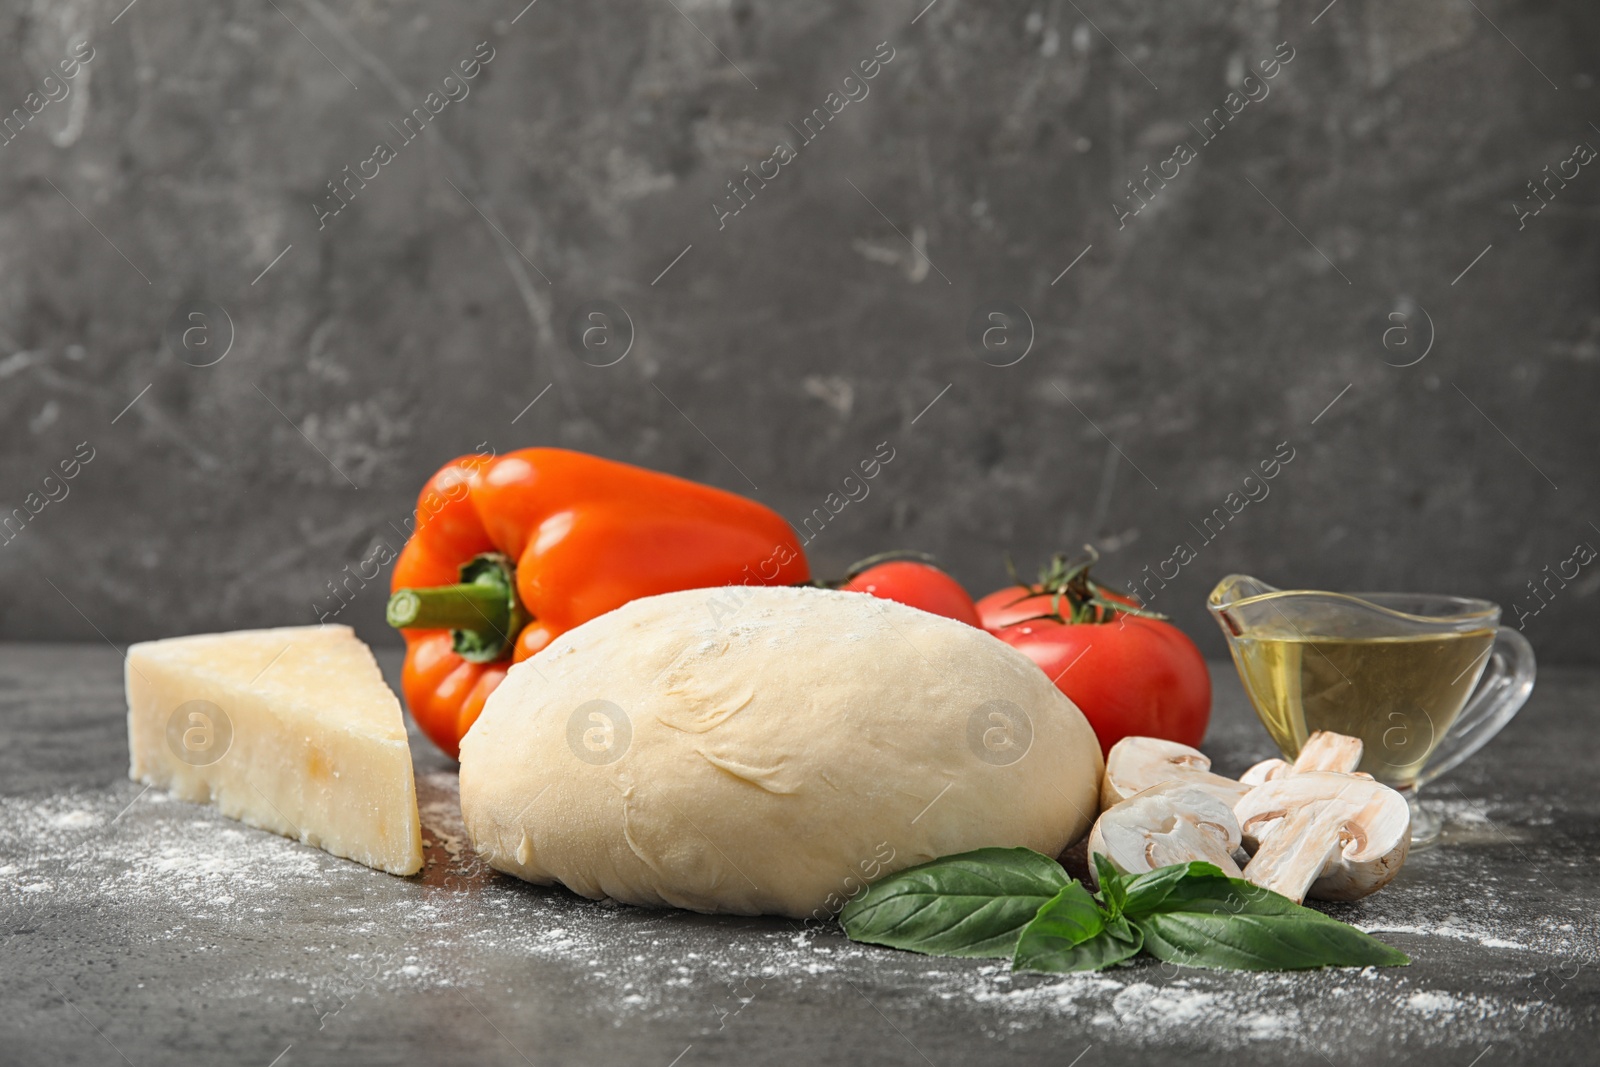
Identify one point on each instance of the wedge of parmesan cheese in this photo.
(291, 730)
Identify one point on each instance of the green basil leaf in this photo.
(1113, 887)
(1067, 918)
(971, 904)
(1071, 933)
(1213, 921)
(1150, 892)
(1262, 942)
(1117, 942)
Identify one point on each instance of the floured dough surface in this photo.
(769, 751)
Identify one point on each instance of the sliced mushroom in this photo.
(1173, 822)
(1324, 750)
(1137, 763)
(1266, 771)
(1322, 834)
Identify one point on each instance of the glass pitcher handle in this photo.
(1503, 690)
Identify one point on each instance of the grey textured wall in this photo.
(1343, 267)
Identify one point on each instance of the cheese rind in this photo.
(291, 730)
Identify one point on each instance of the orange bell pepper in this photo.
(511, 552)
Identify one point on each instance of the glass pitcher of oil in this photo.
(1423, 680)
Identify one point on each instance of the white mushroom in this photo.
(1324, 750)
(1173, 822)
(1137, 763)
(1265, 771)
(1322, 834)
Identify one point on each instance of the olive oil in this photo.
(1398, 693)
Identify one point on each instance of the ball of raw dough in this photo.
(769, 751)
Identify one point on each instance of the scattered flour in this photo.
(1448, 928)
(1431, 1003)
(332, 931)
(75, 820)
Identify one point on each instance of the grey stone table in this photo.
(145, 930)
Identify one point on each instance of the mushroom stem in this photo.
(1187, 841)
(1295, 853)
(1325, 750)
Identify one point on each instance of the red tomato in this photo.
(918, 584)
(1130, 677)
(1003, 607)
(1131, 674)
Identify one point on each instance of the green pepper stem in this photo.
(470, 606)
(483, 612)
